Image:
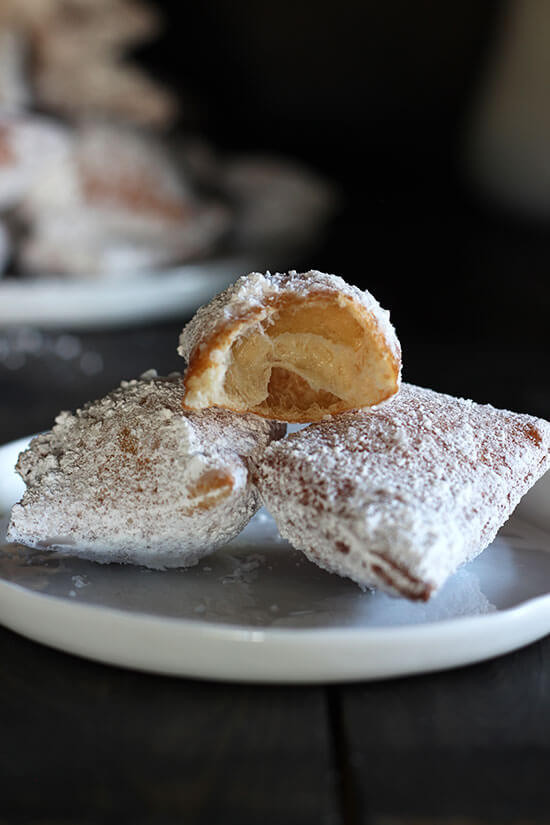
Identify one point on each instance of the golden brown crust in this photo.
(201, 357)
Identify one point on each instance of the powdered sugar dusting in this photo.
(397, 497)
(134, 478)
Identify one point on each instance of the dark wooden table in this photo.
(86, 743)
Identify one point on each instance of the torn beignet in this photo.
(295, 347)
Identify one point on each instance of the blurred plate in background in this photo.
(51, 303)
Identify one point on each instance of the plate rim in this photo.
(238, 632)
(222, 653)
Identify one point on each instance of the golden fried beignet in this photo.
(294, 347)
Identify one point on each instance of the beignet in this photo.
(398, 497)
(294, 347)
(134, 478)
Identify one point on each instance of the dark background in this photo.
(373, 93)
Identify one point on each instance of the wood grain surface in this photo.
(82, 742)
(472, 742)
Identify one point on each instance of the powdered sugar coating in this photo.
(30, 147)
(133, 478)
(252, 292)
(399, 496)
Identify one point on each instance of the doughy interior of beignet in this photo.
(308, 360)
(212, 487)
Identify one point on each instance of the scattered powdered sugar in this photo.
(245, 571)
(397, 497)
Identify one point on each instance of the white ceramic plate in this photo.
(51, 303)
(258, 611)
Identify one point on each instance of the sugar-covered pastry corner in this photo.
(134, 478)
(399, 497)
(294, 347)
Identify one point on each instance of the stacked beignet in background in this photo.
(98, 200)
(134, 478)
(72, 57)
(122, 202)
(399, 497)
(292, 347)
(116, 205)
